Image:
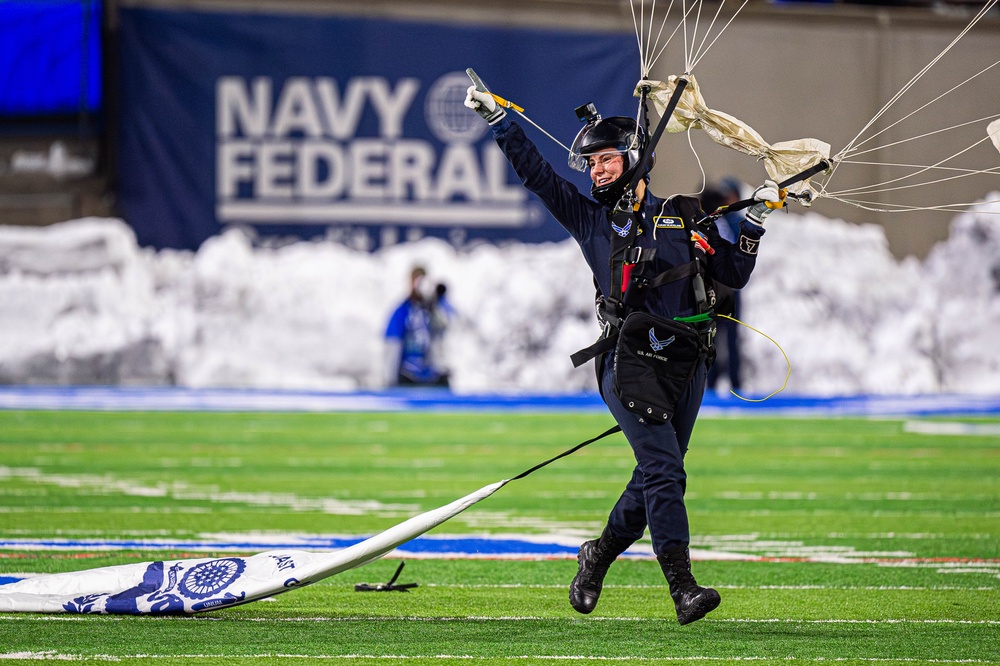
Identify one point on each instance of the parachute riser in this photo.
(628, 199)
(819, 167)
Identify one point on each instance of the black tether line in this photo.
(609, 431)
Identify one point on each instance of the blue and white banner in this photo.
(304, 124)
(193, 585)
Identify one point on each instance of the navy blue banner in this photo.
(309, 125)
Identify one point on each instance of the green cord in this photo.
(694, 319)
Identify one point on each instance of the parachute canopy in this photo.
(993, 130)
(781, 160)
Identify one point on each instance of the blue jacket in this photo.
(588, 222)
(411, 325)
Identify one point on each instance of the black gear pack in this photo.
(655, 357)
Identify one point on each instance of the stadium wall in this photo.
(790, 70)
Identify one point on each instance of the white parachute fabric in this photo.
(193, 585)
(781, 160)
(993, 131)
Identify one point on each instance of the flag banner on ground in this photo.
(192, 585)
(311, 125)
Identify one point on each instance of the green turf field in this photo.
(876, 544)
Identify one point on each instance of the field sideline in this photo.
(848, 539)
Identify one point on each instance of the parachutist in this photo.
(653, 291)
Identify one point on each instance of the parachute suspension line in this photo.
(666, 43)
(850, 158)
(852, 152)
(684, 25)
(920, 168)
(788, 371)
(689, 50)
(648, 45)
(870, 189)
(542, 130)
(650, 49)
(650, 42)
(638, 37)
(880, 207)
(982, 12)
(971, 172)
(702, 50)
(865, 191)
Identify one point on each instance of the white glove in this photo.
(484, 104)
(768, 198)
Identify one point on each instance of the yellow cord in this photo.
(788, 373)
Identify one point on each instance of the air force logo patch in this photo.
(658, 345)
(665, 222)
(748, 245)
(622, 231)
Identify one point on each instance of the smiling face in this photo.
(606, 166)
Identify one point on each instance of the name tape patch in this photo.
(667, 222)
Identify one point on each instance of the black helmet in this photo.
(619, 133)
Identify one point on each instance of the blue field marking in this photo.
(112, 398)
(427, 547)
(182, 399)
(434, 546)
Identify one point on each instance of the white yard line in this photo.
(480, 618)
(55, 656)
(839, 588)
(952, 428)
(106, 484)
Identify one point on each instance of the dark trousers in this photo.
(654, 497)
(727, 345)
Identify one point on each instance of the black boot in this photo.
(595, 557)
(692, 601)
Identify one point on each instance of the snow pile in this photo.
(854, 320)
(83, 304)
(958, 309)
(832, 295)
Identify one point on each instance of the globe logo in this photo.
(208, 578)
(446, 114)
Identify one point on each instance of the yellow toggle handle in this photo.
(773, 205)
(507, 104)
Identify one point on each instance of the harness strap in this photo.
(608, 341)
(625, 225)
(628, 288)
(593, 351)
(675, 273)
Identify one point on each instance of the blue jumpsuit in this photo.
(654, 497)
